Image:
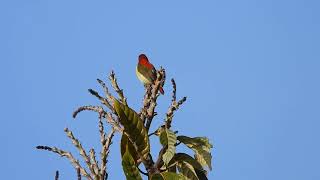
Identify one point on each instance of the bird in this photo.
(146, 72)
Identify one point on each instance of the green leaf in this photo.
(187, 170)
(168, 138)
(157, 177)
(196, 141)
(172, 168)
(181, 158)
(173, 176)
(129, 167)
(201, 146)
(133, 126)
(168, 176)
(203, 156)
(126, 143)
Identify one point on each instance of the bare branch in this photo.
(94, 162)
(105, 152)
(97, 109)
(69, 156)
(174, 91)
(82, 152)
(78, 174)
(104, 101)
(174, 105)
(116, 87)
(146, 103)
(57, 175)
(144, 173)
(159, 162)
(115, 124)
(161, 75)
(105, 89)
(103, 114)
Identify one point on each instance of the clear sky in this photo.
(249, 68)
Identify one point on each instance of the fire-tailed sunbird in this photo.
(146, 72)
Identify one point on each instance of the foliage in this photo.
(129, 167)
(135, 139)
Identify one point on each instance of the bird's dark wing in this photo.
(150, 75)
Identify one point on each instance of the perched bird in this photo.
(146, 72)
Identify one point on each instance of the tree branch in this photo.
(69, 156)
(102, 100)
(116, 87)
(78, 174)
(174, 105)
(57, 175)
(105, 152)
(161, 75)
(82, 152)
(94, 162)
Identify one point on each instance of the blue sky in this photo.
(250, 70)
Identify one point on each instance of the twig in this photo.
(57, 175)
(105, 152)
(159, 162)
(146, 103)
(69, 156)
(78, 174)
(102, 113)
(97, 109)
(115, 124)
(94, 162)
(103, 100)
(105, 89)
(103, 142)
(174, 105)
(174, 91)
(154, 95)
(144, 173)
(116, 87)
(82, 152)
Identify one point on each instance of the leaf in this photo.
(168, 138)
(126, 143)
(172, 168)
(196, 141)
(129, 167)
(203, 157)
(187, 170)
(133, 126)
(157, 177)
(173, 176)
(168, 176)
(201, 146)
(180, 158)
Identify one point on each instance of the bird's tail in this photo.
(161, 90)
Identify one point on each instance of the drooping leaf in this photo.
(129, 167)
(172, 168)
(126, 143)
(203, 156)
(168, 138)
(189, 161)
(157, 177)
(168, 176)
(173, 176)
(196, 141)
(133, 126)
(187, 170)
(201, 146)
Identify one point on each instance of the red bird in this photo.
(146, 72)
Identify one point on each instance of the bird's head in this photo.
(143, 59)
